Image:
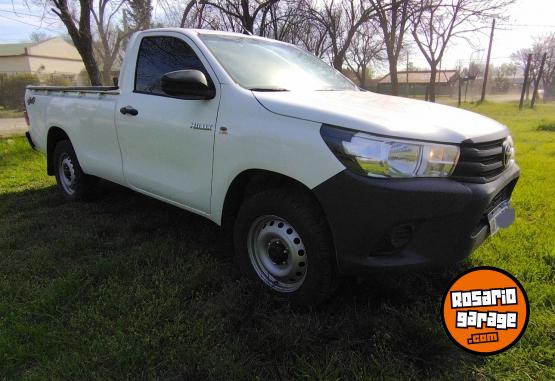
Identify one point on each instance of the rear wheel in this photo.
(282, 243)
(72, 181)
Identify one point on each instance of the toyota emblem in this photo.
(507, 152)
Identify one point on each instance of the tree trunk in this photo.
(81, 36)
(186, 11)
(363, 77)
(432, 85)
(107, 72)
(86, 52)
(528, 85)
(338, 61)
(248, 20)
(393, 76)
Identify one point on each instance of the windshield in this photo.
(262, 65)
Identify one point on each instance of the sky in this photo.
(528, 18)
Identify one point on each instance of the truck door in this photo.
(167, 145)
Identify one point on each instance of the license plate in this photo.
(501, 217)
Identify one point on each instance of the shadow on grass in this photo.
(127, 286)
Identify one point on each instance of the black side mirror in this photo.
(191, 84)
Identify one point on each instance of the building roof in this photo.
(442, 76)
(55, 47)
(14, 49)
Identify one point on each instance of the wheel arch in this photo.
(54, 136)
(253, 181)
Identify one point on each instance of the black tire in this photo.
(298, 209)
(82, 188)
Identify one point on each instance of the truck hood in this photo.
(384, 115)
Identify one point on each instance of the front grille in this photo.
(480, 162)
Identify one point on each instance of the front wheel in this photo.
(282, 243)
(75, 184)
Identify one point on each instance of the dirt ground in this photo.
(12, 127)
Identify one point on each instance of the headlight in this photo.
(378, 156)
(509, 150)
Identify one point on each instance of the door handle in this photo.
(129, 110)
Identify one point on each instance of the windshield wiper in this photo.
(268, 89)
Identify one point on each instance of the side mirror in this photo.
(191, 84)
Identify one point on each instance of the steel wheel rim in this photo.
(277, 253)
(67, 174)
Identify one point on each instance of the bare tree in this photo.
(520, 57)
(110, 35)
(503, 76)
(437, 22)
(244, 11)
(546, 44)
(282, 20)
(314, 38)
(341, 20)
(393, 17)
(38, 36)
(115, 21)
(366, 48)
(79, 29)
(138, 14)
(189, 15)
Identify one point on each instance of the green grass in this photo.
(8, 113)
(546, 125)
(127, 287)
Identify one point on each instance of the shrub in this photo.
(12, 91)
(58, 80)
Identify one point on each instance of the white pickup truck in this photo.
(314, 177)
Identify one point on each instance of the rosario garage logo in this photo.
(485, 310)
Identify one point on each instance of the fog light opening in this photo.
(395, 239)
(400, 235)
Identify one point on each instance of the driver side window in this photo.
(160, 55)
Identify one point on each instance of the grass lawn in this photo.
(8, 113)
(127, 287)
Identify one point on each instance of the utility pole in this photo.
(525, 83)
(487, 63)
(537, 84)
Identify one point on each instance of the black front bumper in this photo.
(379, 223)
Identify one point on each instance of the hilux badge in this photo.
(201, 126)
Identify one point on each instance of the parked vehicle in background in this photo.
(314, 177)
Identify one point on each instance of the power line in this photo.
(17, 13)
(482, 59)
(529, 25)
(26, 23)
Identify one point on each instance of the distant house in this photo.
(54, 56)
(414, 83)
